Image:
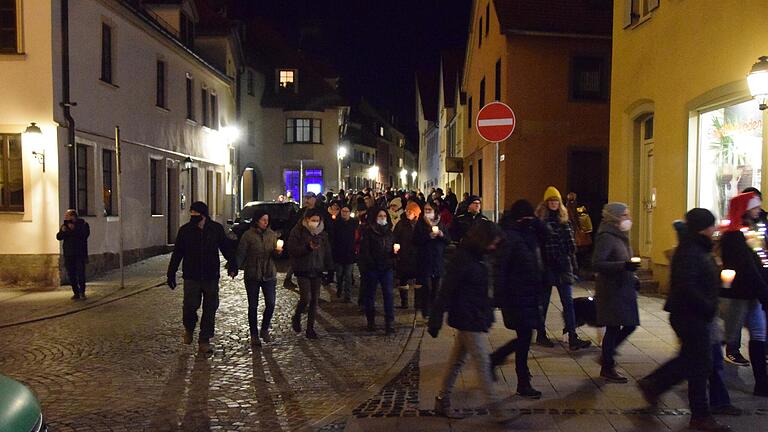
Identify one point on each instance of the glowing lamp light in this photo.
(230, 133)
(34, 135)
(373, 172)
(414, 174)
(341, 153)
(758, 81)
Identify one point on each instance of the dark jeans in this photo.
(718, 392)
(693, 362)
(309, 292)
(195, 292)
(344, 280)
(268, 288)
(614, 336)
(425, 296)
(566, 299)
(76, 273)
(373, 278)
(520, 347)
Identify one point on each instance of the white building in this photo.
(78, 75)
(430, 168)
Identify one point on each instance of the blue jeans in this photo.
(268, 288)
(739, 313)
(372, 278)
(566, 298)
(718, 392)
(344, 280)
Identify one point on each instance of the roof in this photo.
(587, 17)
(453, 65)
(213, 19)
(427, 86)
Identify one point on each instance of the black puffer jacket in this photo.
(749, 283)
(430, 250)
(695, 279)
(343, 241)
(199, 248)
(376, 248)
(308, 262)
(408, 260)
(519, 274)
(75, 241)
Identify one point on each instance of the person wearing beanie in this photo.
(741, 303)
(395, 210)
(615, 285)
(198, 243)
(343, 247)
(559, 252)
(407, 267)
(376, 262)
(466, 220)
(692, 306)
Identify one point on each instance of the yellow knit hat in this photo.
(552, 192)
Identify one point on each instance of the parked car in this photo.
(19, 409)
(282, 217)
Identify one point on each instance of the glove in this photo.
(171, 281)
(433, 331)
(631, 266)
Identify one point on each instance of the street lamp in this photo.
(35, 136)
(341, 153)
(414, 174)
(187, 164)
(231, 133)
(758, 81)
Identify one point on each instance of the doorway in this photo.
(588, 178)
(647, 195)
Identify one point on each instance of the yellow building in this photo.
(684, 130)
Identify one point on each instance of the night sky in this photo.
(376, 46)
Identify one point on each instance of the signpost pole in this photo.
(496, 191)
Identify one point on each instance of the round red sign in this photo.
(495, 122)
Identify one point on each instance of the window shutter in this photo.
(653, 4)
(627, 13)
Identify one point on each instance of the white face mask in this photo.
(313, 225)
(430, 215)
(381, 221)
(625, 225)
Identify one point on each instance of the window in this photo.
(214, 111)
(249, 84)
(287, 79)
(480, 177)
(190, 99)
(637, 11)
(480, 33)
(251, 133)
(193, 185)
(11, 179)
(469, 113)
(219, 193)
(209, 188)
(482, 94)
(381, 131)
(588, 80)
(187, 30)
(497, 83)
(154, 186)
(108, 182)
(204, 107)
(160, 90)
(9, 34)
(106, 53)
(298, 130)
(82, 179)
(487, 18)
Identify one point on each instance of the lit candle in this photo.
(396, 247)
(435, 229)
(333, 217)
(727, 277)
(352, 215)
(636, 260)
(280, 244)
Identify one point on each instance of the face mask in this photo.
(195, 219)
(313, 225)
(381, 221)
(430, 215)
(625, 225)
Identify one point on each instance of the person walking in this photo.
(310, 252)
(692, 307)
(519, 275)
(73, 234)
(431, 237)
(377, 262)
(743, 252)
(464, 221)
(343, 247)
(407, 261)
(451, 201)
(255, 254)
(559, 250)
(615, 285)
(464, 295)
(198, 243)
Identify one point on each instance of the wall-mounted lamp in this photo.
(35, 135)
(758, 82)
(187, 164)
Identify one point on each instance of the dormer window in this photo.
(186, 30)
(287, 79)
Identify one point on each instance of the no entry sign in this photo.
(495, 122)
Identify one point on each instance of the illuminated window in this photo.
(287, 79)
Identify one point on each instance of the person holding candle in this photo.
(741, 303)
(343, 246)
(407, 260)
(376, 262)
(692, 306)
(431, 237)
(615, 285)
(256, 253)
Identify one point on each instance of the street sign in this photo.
(495, 122)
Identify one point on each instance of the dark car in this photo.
(282, 217)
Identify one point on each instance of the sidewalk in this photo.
(24, 305)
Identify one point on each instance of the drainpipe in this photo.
(67, 104)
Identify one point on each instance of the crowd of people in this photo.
(447, 257)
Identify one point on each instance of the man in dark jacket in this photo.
(465, 221)
(451, 201)
(74, 233)
(692, 306)
(343, 247)
(198, 244)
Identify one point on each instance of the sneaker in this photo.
(205, 348)
(707, 424)
(311, 334)
(255, 341)
(726, 410)
(528, 392)
(544, 341)
(611, 375)
(650, 395)
(736, 358)
(575, 344)
(186, 337)
(388, 329)
(443, 408)
(264, 334)
(296, 323)
(75, 297)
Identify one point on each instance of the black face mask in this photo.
(196, 219)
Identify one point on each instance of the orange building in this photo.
(550, 61)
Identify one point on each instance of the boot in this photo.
(610, 374)
(756, 355)
(388, 328)
(574, 343)
(311, 333)
(707, 424)
(187, 337)
(649, 392)
(264, 334)
(371, 322)
(403, 298)
(204, 347)
(543, 340)
(296, 323)
(443, 408)
(527, 391)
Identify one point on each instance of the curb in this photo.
(105, 300)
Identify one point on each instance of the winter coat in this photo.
(519, 277)
(408, 262)
(430, 250)
(616, 287)
(256, 253)
(464, 294)
(305, 261)
(376, 248)
(199, 249)
(559, 252)
(446, 217)
(749, 282)
(462, 224)
(452, 202)
(76, 240)
(343, 241)
(695, 280)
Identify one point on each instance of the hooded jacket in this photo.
(308, 262)
(695, 278)
(615, 286)
(199, 249)
(376, 248)
(408, 260)
(431, 250)
(255, 254)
